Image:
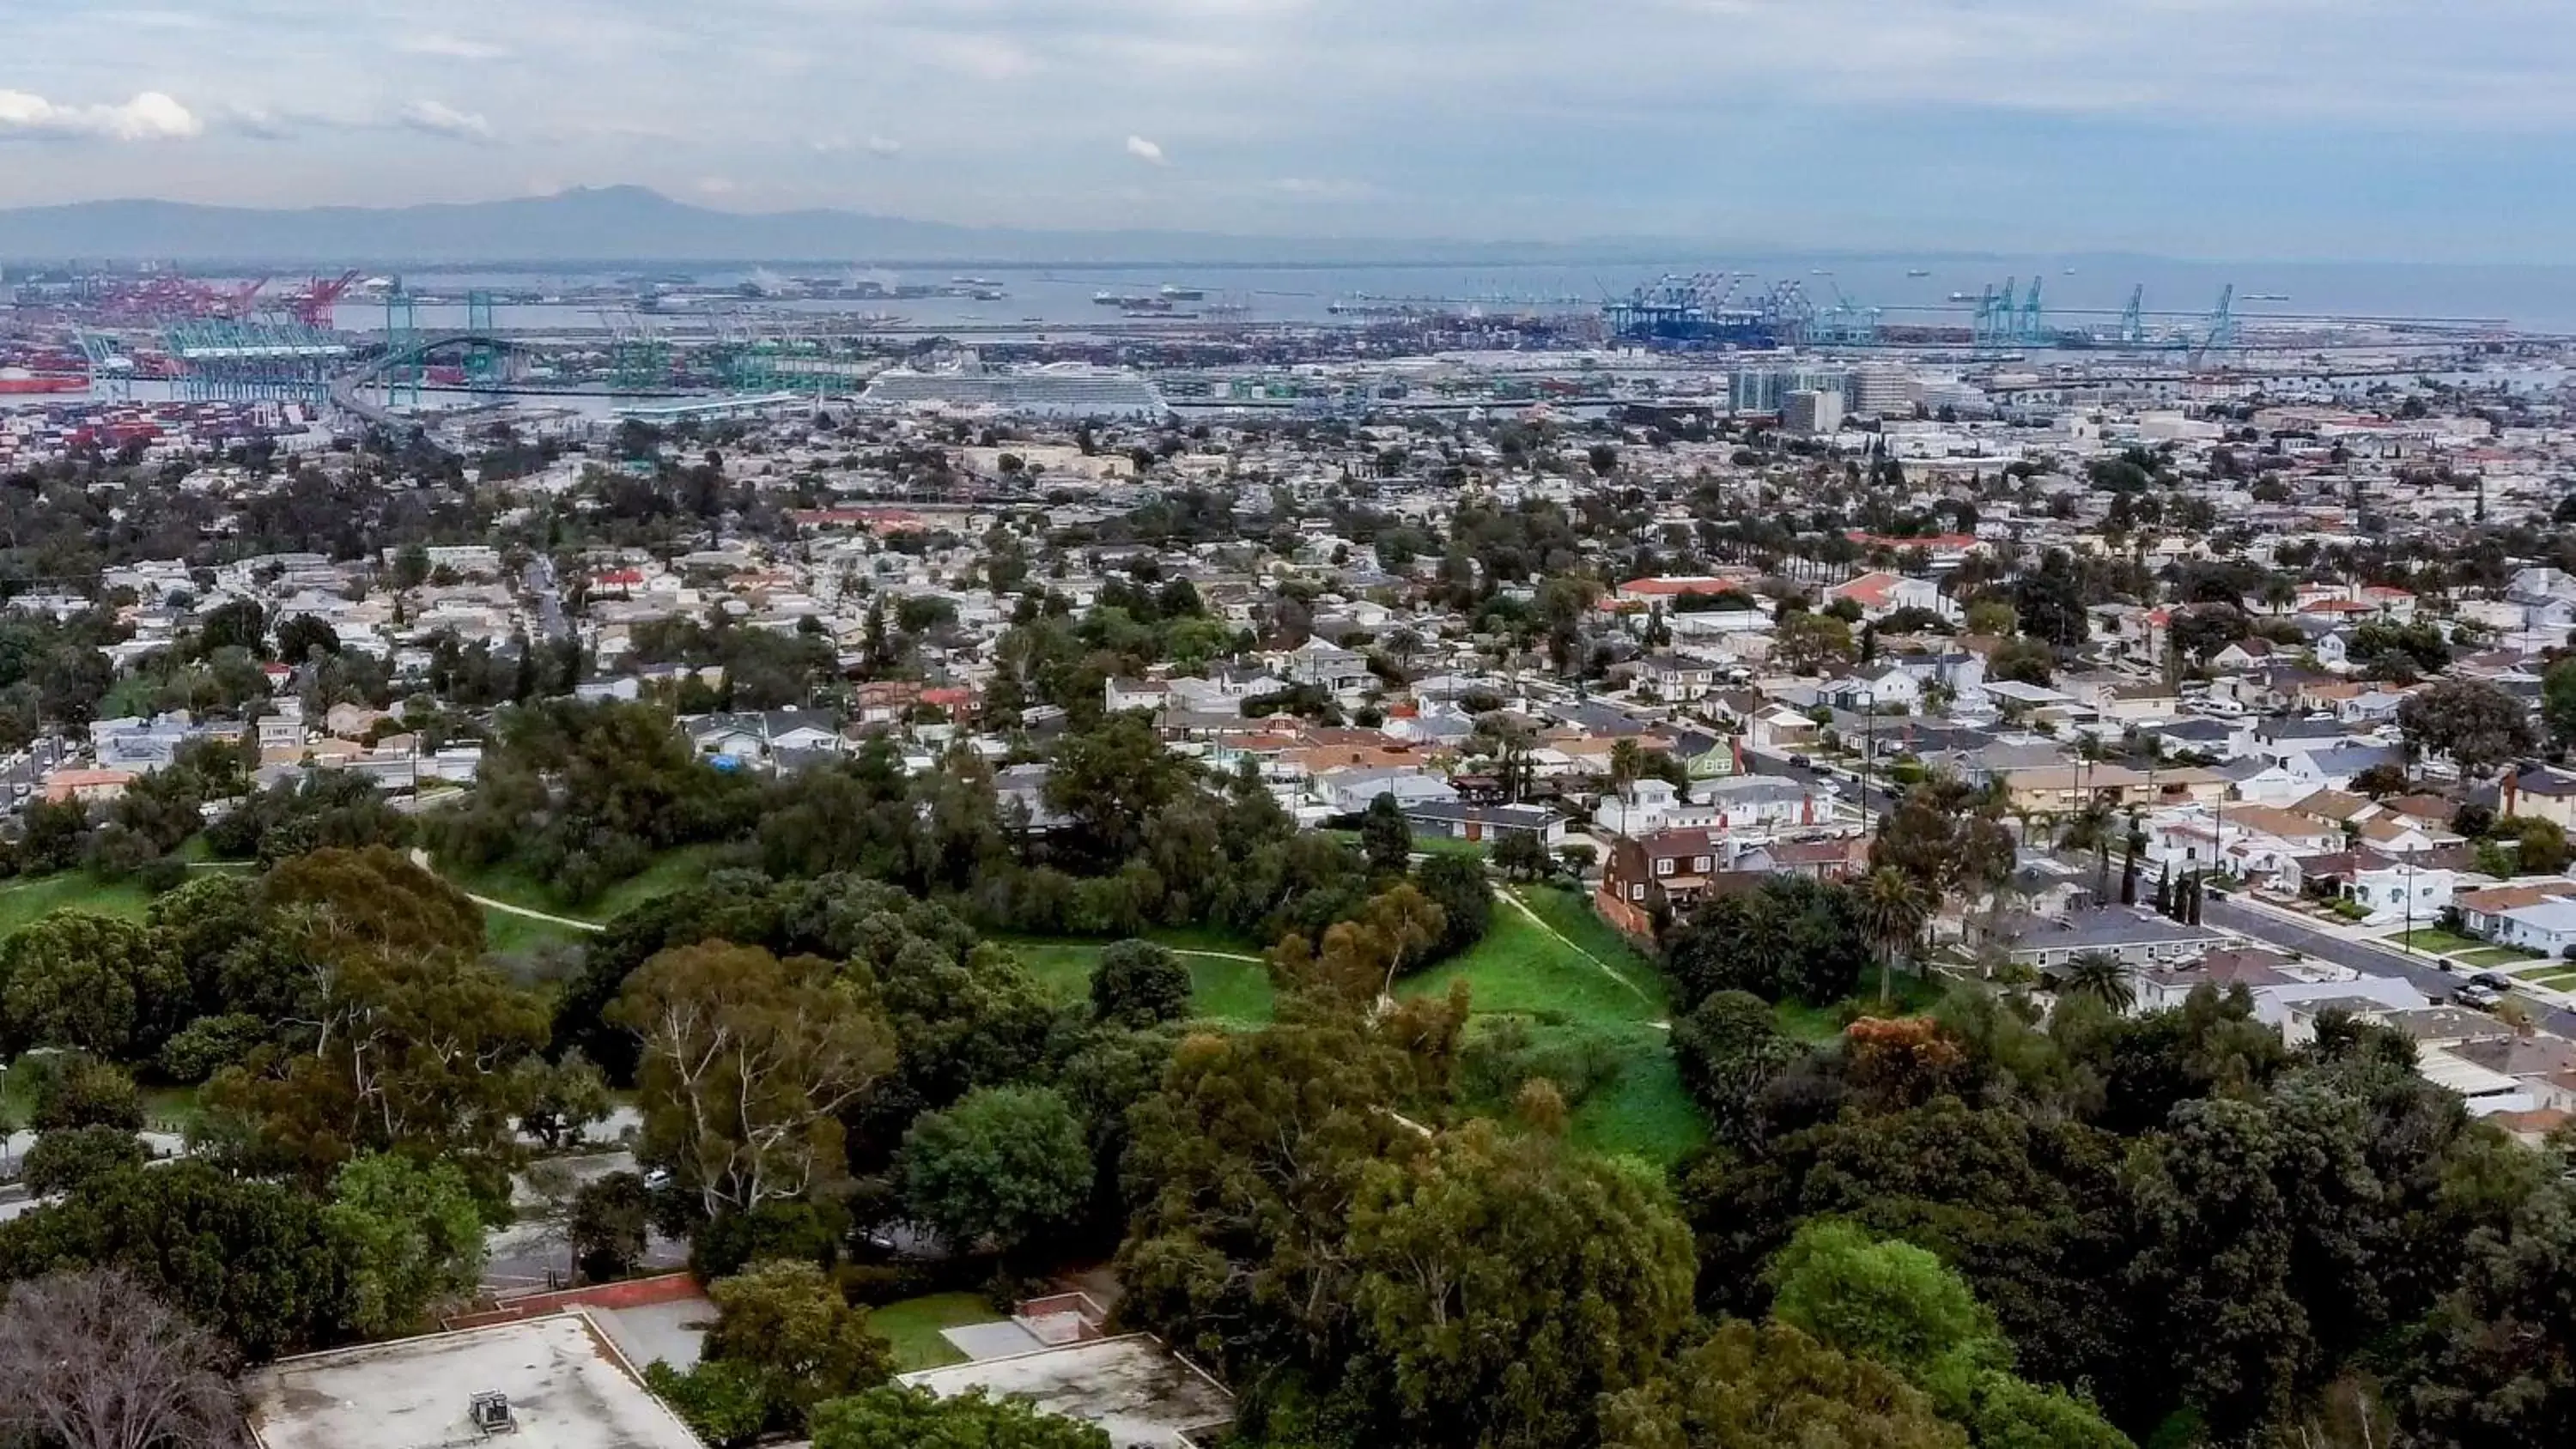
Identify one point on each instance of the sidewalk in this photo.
(2380, 936)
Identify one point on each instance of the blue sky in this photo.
(2240, 128)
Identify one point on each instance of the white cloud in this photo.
(440, 119)
(150, 116)
(1149, 152)
(452, 47)
(884, 148)
(1316, 188)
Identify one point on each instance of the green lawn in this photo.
(670, 871)
(505, 934)
(1425, 844)
(1223, 988)
(913, 1325)
(2554, 980)
(2490, 957)
(22, 901)
(1908, 995)
(2433, 941)
(1614, 1001)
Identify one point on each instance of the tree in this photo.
(563, 1098)
(63, 1160)
(2477, 724)
(2102, 977)
(2499, 1365)
(94, 1361)
(301, 637)
(2025, 661)
(786, 1322)
(748, 1060)
(85, 1092)
(725, 1404)
(2216, 1244)
(413, 1235)
(1385, 839)
(237, 624)
(1807, 642)
(1627, 759)
(2540, 846)
(395, 1046)
(1946, 836)
(91, 983)
(1139, 984)
(1457, 885)
(1729, 1049)
(1113, 780)
(1892, 907)
(1887, 1301)
(2558, 700)
(1001, 1166)
(250, 1260)
(609, 1226)
(902, 1418)
(1761, 1386)
(1521, 855)
(1794, 937)
(1504, 1284)
(2380, 780)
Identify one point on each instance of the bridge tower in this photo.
(405, 364)
(484, 364)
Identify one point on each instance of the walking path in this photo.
(1605, 967)
(507, 909)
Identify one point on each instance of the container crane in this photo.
(315, 309)
(2220, 333)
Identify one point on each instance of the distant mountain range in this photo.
(633, 224)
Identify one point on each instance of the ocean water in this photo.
(2075, 290)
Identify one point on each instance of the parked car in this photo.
(2492, 982)
(2484, 998)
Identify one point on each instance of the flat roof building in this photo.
(1141, 1393)
(562, 1382)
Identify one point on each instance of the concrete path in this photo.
(1604, 967)
(507, 909)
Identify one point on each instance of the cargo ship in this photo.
(18, 381)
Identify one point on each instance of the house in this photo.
(1837, 857)
(1350, 791)
(2392, 892)
(1650, 805)
(1335, 671)
(1120, 695)
(1768, 802)
(1882, 686)
(2548, 927)
(1880, 594)
(1486, 824)
(1672, 677)
(2538, 794)
(87, 786)
(2127, 934)
(2482, 912)
(1650, 878)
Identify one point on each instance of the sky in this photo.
(2281, 129)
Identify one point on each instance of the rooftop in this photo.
(1140, 1392)
(568, 1389)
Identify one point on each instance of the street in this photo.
(2274, 930)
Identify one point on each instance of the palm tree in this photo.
(1626, 759)
(1893, 907)
(2099, 975)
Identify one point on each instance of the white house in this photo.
(2396, 893)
